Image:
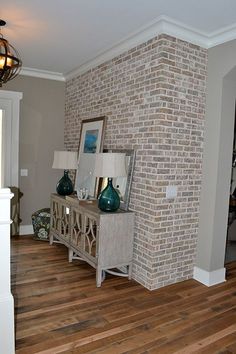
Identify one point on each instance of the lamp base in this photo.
(65, 186)
(109, 200)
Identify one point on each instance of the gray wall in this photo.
(41, 132)
(220, 108)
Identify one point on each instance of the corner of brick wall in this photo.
(154, 98)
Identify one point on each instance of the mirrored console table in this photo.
(103, 240)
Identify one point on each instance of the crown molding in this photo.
(43, 74)
(192, 35)
(221, 36)
(162, 24)
(11, 95)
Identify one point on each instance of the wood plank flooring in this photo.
(58, 309)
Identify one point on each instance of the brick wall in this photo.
(154, 98)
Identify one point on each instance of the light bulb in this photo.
(2, 62)
(9, 60)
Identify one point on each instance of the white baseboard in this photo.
(209, 278)
(26, 229)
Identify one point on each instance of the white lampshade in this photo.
(65, 160)
(110, 165)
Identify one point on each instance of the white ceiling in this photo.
(59, 36)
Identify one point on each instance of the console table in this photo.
(104, 240)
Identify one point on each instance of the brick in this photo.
(154, 98)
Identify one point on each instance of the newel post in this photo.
(7, 338)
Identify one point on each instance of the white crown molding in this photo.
(162, 24)
(209, 278)
(13, 95)
(43, 74)
(192, 35)
(223, 35)
(180, 30)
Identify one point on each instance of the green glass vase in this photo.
(65, 186)
(109, 199)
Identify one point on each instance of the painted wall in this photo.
(220, 110)
(154, 98)
(41, 132)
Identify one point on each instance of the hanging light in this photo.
(10, 62)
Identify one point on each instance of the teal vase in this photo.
(109, 199)
(65, 186)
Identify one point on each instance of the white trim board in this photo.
(162, 24)
(42, 74)
(26, 230)
(209, 278)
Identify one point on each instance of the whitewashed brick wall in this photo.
(154, 98)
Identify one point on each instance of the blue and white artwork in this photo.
(90, 142)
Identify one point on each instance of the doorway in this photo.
(9, 153)
(230, 249)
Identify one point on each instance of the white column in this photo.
(7, 338)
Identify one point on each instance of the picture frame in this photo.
(122, 184)
(91, 142)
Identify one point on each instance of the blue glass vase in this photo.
(109, 199)
(65, 186)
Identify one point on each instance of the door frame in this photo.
(10, 104)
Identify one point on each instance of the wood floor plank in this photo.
(58, 309)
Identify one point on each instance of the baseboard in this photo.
(26, 229)
(209, 278)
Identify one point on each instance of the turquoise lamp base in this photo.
(65, 186)
(109, 200)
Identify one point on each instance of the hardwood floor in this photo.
(59, 309)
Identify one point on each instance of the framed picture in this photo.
(91, 142)
(122, 184)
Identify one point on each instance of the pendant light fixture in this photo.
(10, 62)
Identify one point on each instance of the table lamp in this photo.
(65, 160)
(109, 165)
